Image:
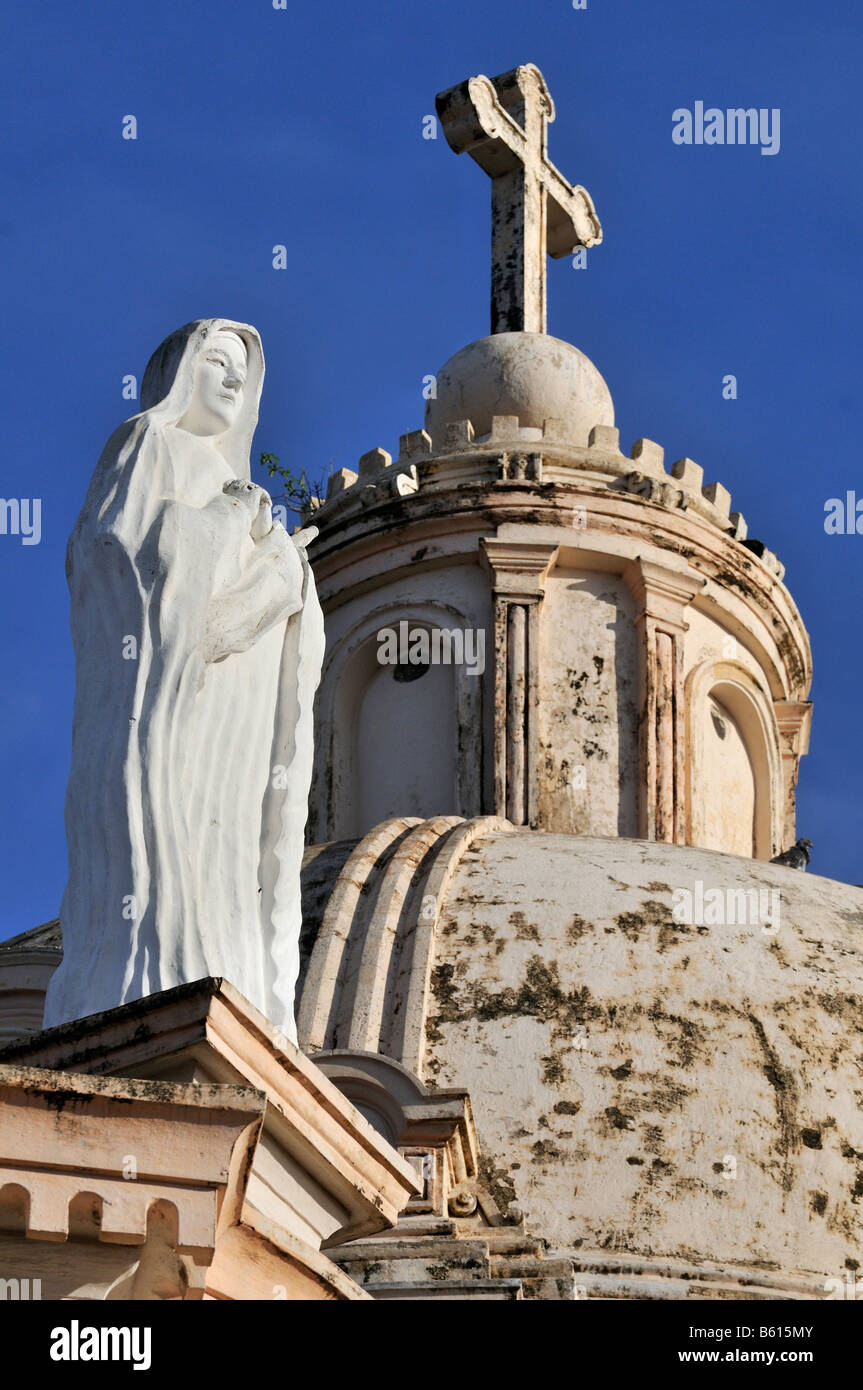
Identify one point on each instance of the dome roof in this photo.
(682, 1094)
(528, 375)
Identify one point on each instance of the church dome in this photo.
(527, 375)
(659, 1042)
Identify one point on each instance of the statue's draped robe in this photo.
(198, 652)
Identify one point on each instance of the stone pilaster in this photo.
(662, 595)
(794, 718)
(518, 570)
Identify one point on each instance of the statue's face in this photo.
(220, 374)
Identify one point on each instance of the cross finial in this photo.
(501, 122)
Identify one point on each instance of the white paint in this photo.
(171, 803)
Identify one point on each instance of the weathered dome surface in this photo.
(667, 1102)
(527, 375)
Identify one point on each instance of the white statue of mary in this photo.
(198, 642)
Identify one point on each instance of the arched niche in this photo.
(381, 1089)
(734, 782)
(85, 1216)
(14, 1209)
(390, 741)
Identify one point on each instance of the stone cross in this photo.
(501, 122)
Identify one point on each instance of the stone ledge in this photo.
(123, 1188)
(319, 1161)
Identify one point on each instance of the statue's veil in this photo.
(122, 494)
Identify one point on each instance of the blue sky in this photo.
(304, 127)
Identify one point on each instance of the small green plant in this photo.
(299, 493)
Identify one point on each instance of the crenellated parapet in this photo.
(513, 453)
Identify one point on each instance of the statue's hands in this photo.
(304, 538)
(258, 502)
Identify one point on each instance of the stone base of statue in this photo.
(180, 1147)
